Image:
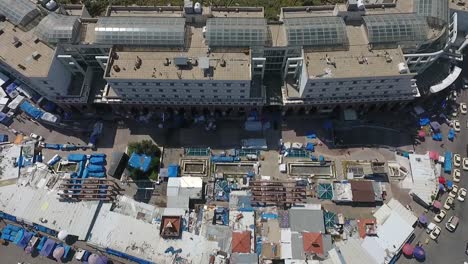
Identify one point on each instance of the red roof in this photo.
(313, 243)
(241, 242)
(366, 226)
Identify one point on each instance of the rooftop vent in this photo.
(21, 67)
(181, 61)
(223, 63)
(167, 62)
(116, 68)
(138, 63)
(36, 55)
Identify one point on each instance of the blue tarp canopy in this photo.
(96, 168)
(96, 155)
(76, 157)
(52, 146)
(11, 88)
(437, 137)
(31, 110)
(310, 147)
(449, 184)
(424, 121)
(48, 248)
(3, 138)
(173, 171)
(25, 240)
(224, 159)
(448, 162)
(68, 147)
(3, 117)
(451, 134)
(97, 160)
(96, 174)
(311, 135)
(140, 161)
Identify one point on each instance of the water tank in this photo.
(197, 8)
(402, 68)
(51, 5)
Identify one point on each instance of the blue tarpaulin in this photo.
(95, 168)
(97, 160)
(173, 171)
(310, 147)
(96, 155)
(76, 157)
(448, 162)
(31, 110)
(437, 137)
(101, 174)
(449, 184)
(11, 88)
(48, 248)
(424, 121)
(25, 240)
(3, 117)
(224, 159)
(451, 134)
(311, 136)
(140, 161)
(52, 146)
(68, 147)
(3, 138)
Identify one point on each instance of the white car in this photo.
(449, 203)
(461, 195)
(463, 108)
(456, 175)
(36, 137)
(456, 125)
(435, 233)
(453, 193)
(457, 160)
(440, 216)
(465, 163)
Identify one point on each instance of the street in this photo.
(450, 247)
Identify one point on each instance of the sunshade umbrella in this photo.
(96, 259)
(423, 219)
(437, 204)
(449, 184)
(408, 249)
(329, 218)
(58, 253)
(434, 155)
(325, 191)
(421, 133)
(441, 187)
(28, 250)
(442, 180)
(62, 235)
(419, 253)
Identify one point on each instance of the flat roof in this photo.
(33, 205)
(22, 55)
(141, 239)
(306, 220)
(278, 35)
(348, 61)
(237, 11)
(153, 60)
(164, 11)
(457, 5)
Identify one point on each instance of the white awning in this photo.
(451, 78)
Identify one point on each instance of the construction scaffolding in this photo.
(90, 189)
(284, 193)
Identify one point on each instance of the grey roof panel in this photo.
(306, 220)
(236, 31)
(56, 28)
(18, 12)
(316, 31)
(141, 31)
(394, 28)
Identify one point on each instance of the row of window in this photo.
(360, 88)
(359, 93)
(211, 102)
(188, 96)
(175, 90)
(349, 100)
(312, 83)
(173, 84)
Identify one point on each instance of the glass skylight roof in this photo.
(433, 8)
(158, 31)
(236, 31)
(18, 12)
(56, 28)
(393, 28)
(316, 31)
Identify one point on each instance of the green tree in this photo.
(148, 148)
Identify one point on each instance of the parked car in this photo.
(453, 193)
(452, 223)
(36, 137)
(456, 175)
(448, 203)
(440, 216)
(463, 108)
(465, 163)
(456, 125)
(461, 195)
(456, 160)
(435, 233)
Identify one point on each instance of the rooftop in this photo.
(241, 242)
(306, 220)
(313, 243)
(153, 11)
(356, 61)
(363, 191)
(153, 62)
(458, 5)
(19, 54)
(237, 11)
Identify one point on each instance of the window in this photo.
(163, 96)
(229, 90)
(229, 97)
(144, 84)
(133, 90)
(228, 84)
(354, 82)
(327, 83)
(215, 96)
(312, 84)
(385, 92)
(242, 97)
(390, 86)
(158, 84)
(150, 95)
(176, 96)
(202, 91)
(200, 85)
(381, 81)
(187, 90)
(377, 87)
(51, 88)
(174, 90)
(214, 84)
(340, 83)
(202, 96)
(137, 96)
(45, 82)
(189, 96)
(146, 90)
(242, 84)
(171, 84)
(337, 89)
(350, 88)
(160, 90)
(130, 84)
(215, 91)
(242, 91)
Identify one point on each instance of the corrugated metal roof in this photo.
(306, 220)
(352, 252)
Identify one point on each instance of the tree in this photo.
(148, 148)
